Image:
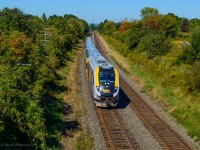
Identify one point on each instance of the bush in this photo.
(195, 42)
(155, 44)
(193, 77)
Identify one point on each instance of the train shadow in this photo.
(124, 100)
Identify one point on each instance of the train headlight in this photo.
(98, 88)
(116, 88)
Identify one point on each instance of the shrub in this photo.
(154, 44)
(195, 42)
(193, 77)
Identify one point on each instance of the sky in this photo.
(96, 11)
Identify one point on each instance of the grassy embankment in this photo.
(164, 81)
(64, 124)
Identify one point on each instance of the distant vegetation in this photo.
(32, 49)
(164, 52)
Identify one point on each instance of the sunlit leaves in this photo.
(195, 42)
(148, 12)
(28, 72)
(109, 28)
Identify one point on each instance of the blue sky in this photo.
(98, 10)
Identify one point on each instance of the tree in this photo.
(152, 22)
(109, 28)
(44, 18)
(195, 42)
(148, 12)
(194, 23)
(22, 114)
(184, 25)
(170, 26)
(14, 19)
(154, 44)
(124, 25)
(93, 27)
(28, 73)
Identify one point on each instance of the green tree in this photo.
(109, 28)
(170, 26)
(194, 23)
(195, 42)
(154, 44)
(148, 12)
(44, 18)
(28, 75)
(193, 77)
(22, 115)
(14, 19)
(93, 26)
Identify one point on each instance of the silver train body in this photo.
(103, 78)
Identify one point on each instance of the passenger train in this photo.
(103, 78)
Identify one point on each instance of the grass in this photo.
(65, 130)
(164, 83)
(77, 106)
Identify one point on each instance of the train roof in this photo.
(91, 49)
(96, 61)
(94, 57)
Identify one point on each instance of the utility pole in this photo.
(45, 35)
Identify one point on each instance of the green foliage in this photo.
(84, 142)
(164, 60)
(28, 76)
(44, 18)
(193, 77)
(154, 44)
(167, 24)
(186, 56)
(174, 85)
(148, 12)
(188, 114)
(132, 38)
(170, 26)
(93, 27)
(14, 19)
(109, 28)
(152, 23)
(193, 24)
(100, 27)
(191, 52)
(195, 42)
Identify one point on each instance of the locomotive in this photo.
(103, 78)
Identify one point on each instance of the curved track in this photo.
(160, 130)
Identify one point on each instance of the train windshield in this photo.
(106, 77)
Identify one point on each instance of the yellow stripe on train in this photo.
(97, 76)
(116, 77)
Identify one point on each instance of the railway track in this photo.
(160, 130)
(116, 134)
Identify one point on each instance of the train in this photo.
(103, 78)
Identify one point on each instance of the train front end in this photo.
(106, 87)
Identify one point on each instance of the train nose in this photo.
(107, 90)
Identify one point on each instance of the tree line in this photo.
(155, 35)
(28, 77)
(165, 49)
